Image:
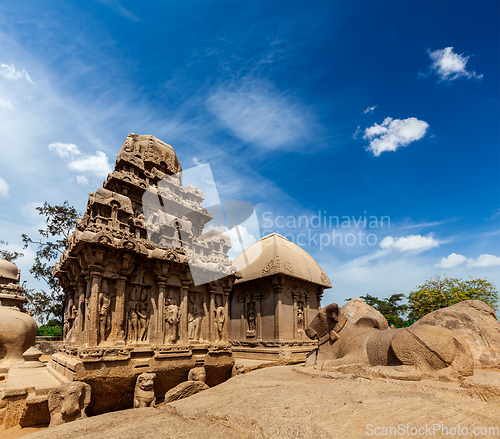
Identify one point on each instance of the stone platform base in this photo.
(271, 351)
(112, 372)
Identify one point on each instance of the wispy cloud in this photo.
(115, 4)
(258, 114)
(82, 180)
(369, 110)
(411, 243)
(449, 65)
(6, 104)
(4, 188)
(10, 72)
(394, 133)
(97, 164)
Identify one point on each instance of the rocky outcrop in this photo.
(478, 325)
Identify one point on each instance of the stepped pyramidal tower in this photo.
(145, 290)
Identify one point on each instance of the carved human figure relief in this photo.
(104, 312)
(300, 316)
(251, 318)
(144, 394)
(132, 318)
(172, 318)
(69, 317)
(142, 309)
(220, 317)
(195, 315)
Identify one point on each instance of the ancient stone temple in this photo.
(274, 301)
(132, 305)
(11, 293)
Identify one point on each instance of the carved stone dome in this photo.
(9, 273)
(274, 254)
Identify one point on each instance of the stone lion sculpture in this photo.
(68, 401)
(144, 394)
(413, 353)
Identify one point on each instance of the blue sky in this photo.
(352, 109)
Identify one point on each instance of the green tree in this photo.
(9, 255)
(60, 221)
(390, 308)
(439, 292)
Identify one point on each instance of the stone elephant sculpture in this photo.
(68, 402)
(413, 353)
(17, 334)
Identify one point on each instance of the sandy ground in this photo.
(291, 402)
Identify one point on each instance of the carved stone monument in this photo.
(274, 301)
(68, 402)
(131, 303)
(144, 394)
(17, 327)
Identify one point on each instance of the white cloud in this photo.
(65, 150)
(4, 188)
(6, 104)
(257, 113)
(394, 133)
(369, 110)
(29, 210)
(97, 164)
(449, 65)
(484, 260)
(197, 161)
(12, 74)
(358, 129)
(81, 179)
(453, 260)
(413, 243)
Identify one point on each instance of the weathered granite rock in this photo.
(477, 323)
(68, 402)
(357, 308)
(414, 353)
(185, 389)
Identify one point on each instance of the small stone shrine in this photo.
(127, 273)
(274, 301)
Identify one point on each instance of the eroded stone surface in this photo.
(414, 353)
(477, 323)
(68, 402)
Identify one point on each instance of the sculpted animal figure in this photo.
(144, 395)
(68, 401)
(412, 353)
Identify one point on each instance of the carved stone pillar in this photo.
(278, 282)
(211, 288)
(225, 330)
(258, 317)
(86, 329)
(119, 323)
(295, 315)
(242, 317)
(184, 312)
(93, 330)
(161, 281)
(81, 311)
(306, 317)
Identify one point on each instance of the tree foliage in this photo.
(390, 308)
(439, 292)
(9, 255)
(60, 221)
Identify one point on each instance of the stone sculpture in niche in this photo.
(133, 318)
(142, 313)
(251, 318)
(219, 321)
(172, 318)
(69, 317)
(68, 401)
(104, 315)
(144, 394)
(195, 317)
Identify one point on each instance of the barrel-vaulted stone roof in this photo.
(274, 254)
